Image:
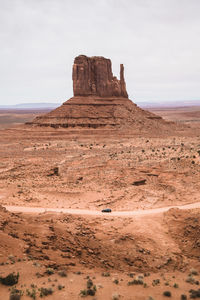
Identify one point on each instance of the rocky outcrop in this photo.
(100, 112)
(100, 101)
(93, 76)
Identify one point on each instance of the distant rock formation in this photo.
(93, 76)
(100, 101)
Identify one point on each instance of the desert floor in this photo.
(59, 240)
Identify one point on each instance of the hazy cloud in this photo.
(157, 40)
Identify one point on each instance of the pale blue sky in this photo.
(157, 40)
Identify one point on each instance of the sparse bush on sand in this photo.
(10, 279)
(167, 294)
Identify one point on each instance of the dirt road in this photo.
(25, 209)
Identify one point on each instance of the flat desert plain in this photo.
(54, 184)
(15, 117)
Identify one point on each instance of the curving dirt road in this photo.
(24, 209)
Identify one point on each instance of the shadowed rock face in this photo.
(93, 76)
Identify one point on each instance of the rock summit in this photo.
(92, 76)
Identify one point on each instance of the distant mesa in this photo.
(100, 100)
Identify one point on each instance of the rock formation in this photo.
(100, 100)
(93, 76)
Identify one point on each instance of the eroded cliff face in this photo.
(93, 76)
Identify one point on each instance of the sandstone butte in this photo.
(100, 101)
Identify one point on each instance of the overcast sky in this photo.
(158, 41)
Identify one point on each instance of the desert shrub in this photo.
(91, 292)
(10, 279)
(193, 272)
(190, 279)
(175, 285)
(194, 294)
(38, 275)
(83, 293)
(89, 283)
(156, 282)
(32, 293)
(105, 274)
(136, 282)
(78, 273)
(183, 297)
(45, 292)
(167, 294)
(91, 289)
(62, 273)
(60, 287)
(11, 258)
(49, 271)
(116, 281)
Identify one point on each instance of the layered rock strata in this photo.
(95, 112)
